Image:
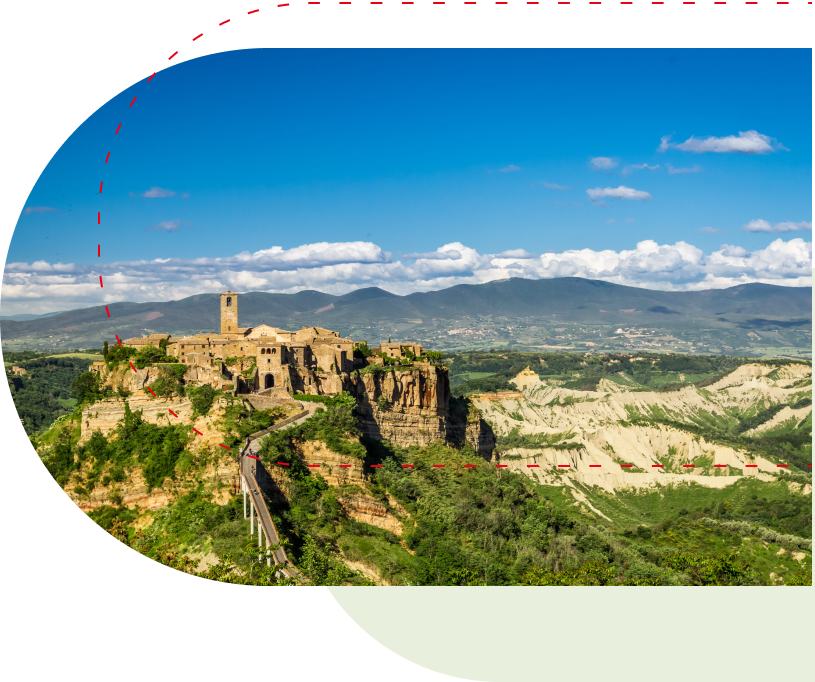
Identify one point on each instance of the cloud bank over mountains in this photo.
(344, 266)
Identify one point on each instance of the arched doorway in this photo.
(268, 382)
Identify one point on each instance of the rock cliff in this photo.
(412, 407)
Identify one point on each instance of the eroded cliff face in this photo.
(105, 415)
(220, 473)
(413, 408)
(123, 376)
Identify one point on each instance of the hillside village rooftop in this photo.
(290, 360)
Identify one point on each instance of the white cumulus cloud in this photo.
(642, 166)
(345, 266)
(763, 226)
(681, 171)
(603, 163)
(621, 192)
(158, 193)
(750, 142)
(165, 226)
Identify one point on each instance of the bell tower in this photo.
(229, 312)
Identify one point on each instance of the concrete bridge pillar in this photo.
(251, 517)
(243, 487)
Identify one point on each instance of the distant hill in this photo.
(561, 301)
(24, 317)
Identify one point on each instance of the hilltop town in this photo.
(312, 360)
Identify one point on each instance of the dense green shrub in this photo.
(201, 398)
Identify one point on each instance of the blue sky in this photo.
(414, 149)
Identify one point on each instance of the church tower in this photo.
(229, 312)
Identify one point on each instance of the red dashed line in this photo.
(469, 466)
(719, 465)
(313, 465)
(100, 186)
(225, 447)
(197, 37)
(594, 465)
(253, 457)
(107, 311)
(132, 367)
(196, 430)
(173, 55)
(107, 158)
(782, 465)
(344, 466)
(286, 4)
(626, 465)
(99, 250)
(151, 391)
(375, 466)
(532, 466)
(689, 466)
(253, 11)
(376, 3)
(117, 339)
(657, 465)
(99, 217)
(283, 464)
(751, 465)
(502, 466)
(117, 129)
(228, 20)
(173, 413)
(564, 465)
(440, 466)
(100, 281)
(134, 99)
(151, 77)
(405, 466)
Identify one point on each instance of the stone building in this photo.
(309, 360)
(397, 350)
(152, 340)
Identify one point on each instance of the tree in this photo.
(86, 387)
(711, 570)
(105, 351)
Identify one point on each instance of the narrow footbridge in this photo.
(251, 474)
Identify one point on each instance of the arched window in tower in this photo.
(228, 301)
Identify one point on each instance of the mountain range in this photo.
(567, 300)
